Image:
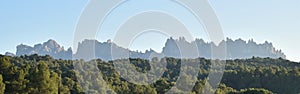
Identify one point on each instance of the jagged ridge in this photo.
(50, 47)
(90, 49)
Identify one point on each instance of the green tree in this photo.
(254, 91)
(2, 85)
(42, 80)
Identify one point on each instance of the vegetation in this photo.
(44, 75)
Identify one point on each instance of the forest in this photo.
(45, 75)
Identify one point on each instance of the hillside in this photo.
(43, 74)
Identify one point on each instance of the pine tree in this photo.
(4, 65)
(42, 80)
(2, 85)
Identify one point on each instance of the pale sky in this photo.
(35, 21)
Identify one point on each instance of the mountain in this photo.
(9, 54)
(50, 47)
(236, 49)
(241, 49)
(91, 49)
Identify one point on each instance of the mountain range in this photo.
(91, 49)
(50, 47)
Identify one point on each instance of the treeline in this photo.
(44, 75)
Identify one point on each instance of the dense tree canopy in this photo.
(44, 75)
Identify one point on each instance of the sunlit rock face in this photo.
(50, 47)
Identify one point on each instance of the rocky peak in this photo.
(51, 44)
(89, 49)
(9, 54)
(50, 47)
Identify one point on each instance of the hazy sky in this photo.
(36, 21)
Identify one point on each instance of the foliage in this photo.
(42, 74)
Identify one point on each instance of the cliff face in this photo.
(50, 47)
(91, 49)
(242, 49)
(236, 49)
